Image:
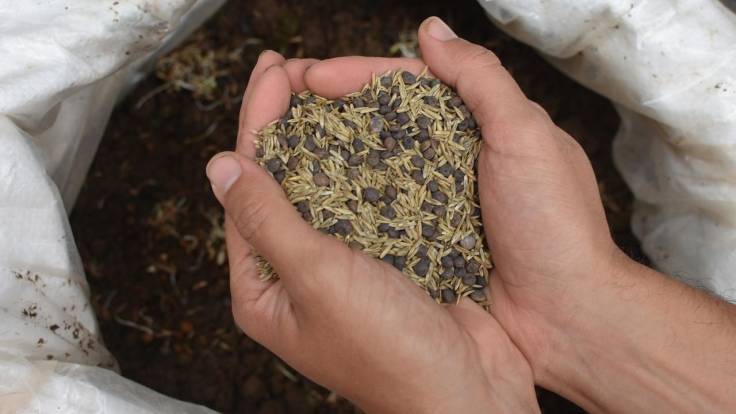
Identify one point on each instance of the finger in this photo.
(268, 100)
(266, 59)
(333, 78)
(267, 220)
(487, 88)
(296, 68)
(245, 282)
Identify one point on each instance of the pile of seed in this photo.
(390, 170)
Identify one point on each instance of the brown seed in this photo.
(259, 152)
(478, 295)
(440, 196)
(321, 153)
(424, 145)
(302, 206)
(408, 77)
(422, 251)
(468, 242)
(384, 98)
(352, 205)
(293, 162)
(402, 118)
(459, 262)
(439, 211)
(423, 135)
(422, 267)
(455, 101)
(321, 179)
(399, 262)
(417, 161)
(293, 141)
(358, 145)
(388, 212)
(390, 192)
(386, 81)
(429, 153)
(279, 176)
(469, 279)
(457, 218)
(353, 173)
(373, 158)
(448, 296)
(316, 166)
(376, 124)
(371, 195)
(384, 228)
(343, 227)
(327, 214)
(408, 143)
(428, 231)
(448, 273)
(432, 186)
(282, 141)
(355, 245)
(309, 144)
(445, 169)
(423, 122)
(355, 160)
(394, 233)
(472, 266)
(390, 116)
(273, 165)
(398, 134)
(389, 258)
(431, 101)
(481, 281)
(418, 176)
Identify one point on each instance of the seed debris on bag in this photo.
(390, 171)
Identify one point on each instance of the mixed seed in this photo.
(389, 170)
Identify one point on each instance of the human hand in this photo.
(351, 323)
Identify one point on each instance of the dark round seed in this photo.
(428, 231)
(472, 124)
(433, 293)
(353, 174)
(321, 179)
(386, 81)
(373, 158)
(283, 142)
(445, 169)
(422, 267)
(425, 145)
(384, 109)
(292, 141)
(394, 233)
(316, 166)
(432, 186)
(338, 103)
(456, 220)
(384, 228)
(472, 266)
(459, 262)
(431, 101)
(399, 262)
(279, 176)
(448, 273)
(447, 261)
(455, 101)
(399, 134)
(376, 124)
(295, 100)
(423, 135)
(453, 254)
(408, 77)
(418, 176)
(468, 242)
(439, 211)
(462, 125)
(358, 145)
(388, 212)
(427, 207)
(478, 295)
(343, 227)
(358, 103)
(384, 98)
(355, 245)
(273, 165)
(422, 251)
(293, 162)
(417, 161)
(390, 116)
(469, 279)
(309, 144)
(319, 129)
(389, 258)
(382, 166)
(390, 192)
(481, 281)
(440, 196)
(302, 206)
(386, 154)
(448, 296)
(459, 176)
(327, 214)
(429, 153)
(307, 216)
(345, 154)
(408, 143)
(371, 195)
(423, 122)
(396, 103)
(355, 160)
(402, 118)
(460, 272)
(259, 152)
(352, 205)
(321, 153)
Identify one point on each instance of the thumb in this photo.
(488, 90)
(263, 215)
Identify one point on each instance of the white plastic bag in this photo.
(65, 63)
(670, 68)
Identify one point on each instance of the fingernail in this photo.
(439, 30)
(223, 171)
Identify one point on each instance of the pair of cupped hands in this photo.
(358, 326)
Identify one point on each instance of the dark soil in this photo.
(149, 230)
